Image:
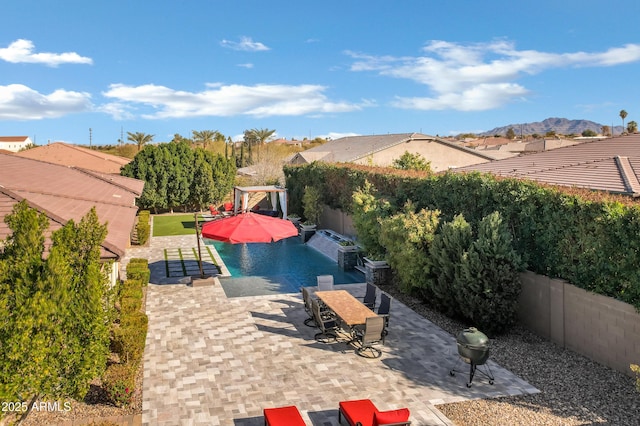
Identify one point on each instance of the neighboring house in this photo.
(611, 165)
(76, 156)
(65, 193)
(14, 143)
(382, 150)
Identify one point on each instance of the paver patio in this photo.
(215, 360)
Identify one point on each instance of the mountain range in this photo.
(561, 126)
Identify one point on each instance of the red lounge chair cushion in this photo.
(283, 416)
(361, 410)
(391, 417)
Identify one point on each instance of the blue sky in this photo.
(308, 69)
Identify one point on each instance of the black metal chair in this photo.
(384, 310)
(373, 333)
(326, 322)
(369, 299)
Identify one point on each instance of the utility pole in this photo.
(90, 137)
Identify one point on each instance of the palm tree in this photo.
(206, 136)
(261, 135)
(623, 115)
(139, 138)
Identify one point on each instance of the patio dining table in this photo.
(350, 310)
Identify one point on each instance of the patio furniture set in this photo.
(335, 311)
(361, 412)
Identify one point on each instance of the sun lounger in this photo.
(283, 416)
(365, 412)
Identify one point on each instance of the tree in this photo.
(139, 138)
(56, 312)
(205, 137)
(449, 247)
(409, 161)
(511, 134)
(589, 133)
(407, 237)
(261, 135)
(632, 127)
(623, 115)
(606, 131)
(490, 281)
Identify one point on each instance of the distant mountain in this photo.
(561, 126)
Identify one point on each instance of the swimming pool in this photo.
(272, 268)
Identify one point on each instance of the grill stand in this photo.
(473, 368)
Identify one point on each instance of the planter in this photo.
(376, 263)
(295, 220)
(376, 272)
(306, 232)
(347, 257)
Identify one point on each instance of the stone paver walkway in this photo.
(213, 360)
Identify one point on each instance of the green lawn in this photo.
(179, 224)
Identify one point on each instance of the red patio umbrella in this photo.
(249, 228)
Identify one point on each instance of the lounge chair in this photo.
(325, 282)
(363, 411)
(326, 322)
(373, 333)
(283, 416)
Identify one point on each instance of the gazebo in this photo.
(274, 193)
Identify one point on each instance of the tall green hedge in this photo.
(591, 239)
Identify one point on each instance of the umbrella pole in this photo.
(195, 215)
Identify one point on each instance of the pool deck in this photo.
(213, 360)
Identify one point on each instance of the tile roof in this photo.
(352, 148)
(65, 193)
(76, 156)
(13, 138)
(611, 165)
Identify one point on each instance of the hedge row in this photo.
(128, 336)
(143, 227)
(590, 239)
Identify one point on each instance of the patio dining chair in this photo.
(369, 299)
(384, 310)
(325, 282)
(326, 322)
(373, 333)
(306, 297)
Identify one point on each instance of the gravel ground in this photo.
(574, 389)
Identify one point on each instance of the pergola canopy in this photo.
(275, 193)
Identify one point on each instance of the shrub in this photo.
(130, 304)
(406, 237)
(490, 281)
(447, 251)
(367, 213)
(118, 381)
(311, 203)
(636, 369)
(143, 227)
(138, 268)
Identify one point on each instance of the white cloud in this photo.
(23, 51)
(245, 43)
(480, 76)
(262, 100)
(247, 66)
(19, 102)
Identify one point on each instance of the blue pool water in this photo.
(280, 267)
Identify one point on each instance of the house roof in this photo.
(352, 148)
(611, 165)
(76, 156)
(65, 193)
(13, 138)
